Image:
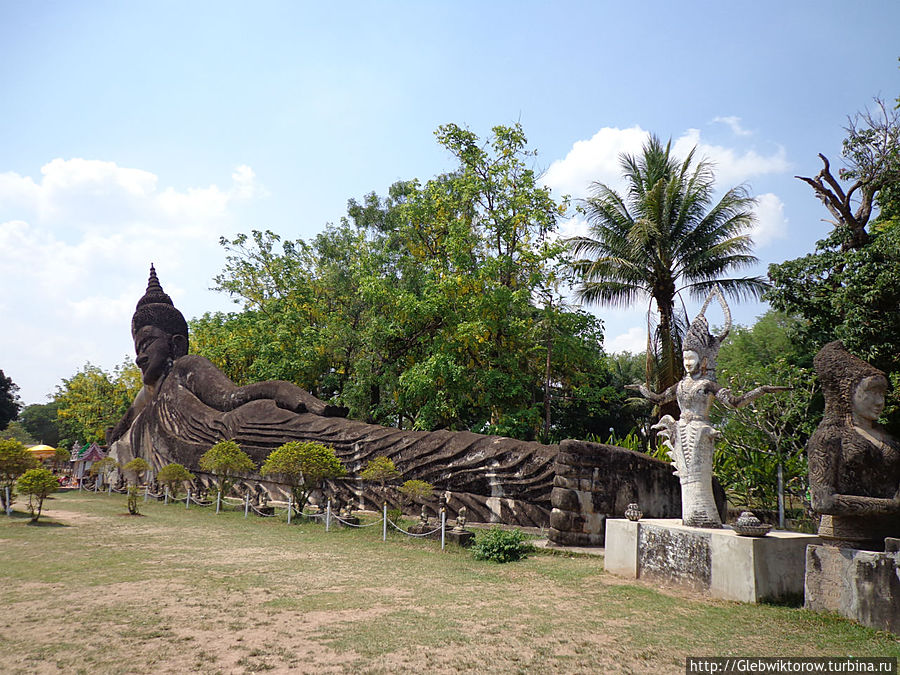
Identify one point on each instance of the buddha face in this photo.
(154, 353)
(868, 399)
(691, 361)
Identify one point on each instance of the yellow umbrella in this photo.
(42, 451)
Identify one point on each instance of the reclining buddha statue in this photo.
(187, 404)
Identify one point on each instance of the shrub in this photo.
(501, 546)
(14, 461)
(226, 459)
(303, 465)
(416, 490)
(173, 476)
(37, 484)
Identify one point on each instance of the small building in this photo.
(83, 457)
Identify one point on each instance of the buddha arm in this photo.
(726, 397)
(667, 396)
(213, 388)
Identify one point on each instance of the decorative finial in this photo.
(155, 293)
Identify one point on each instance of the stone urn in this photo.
(633, 512)
(748, 525)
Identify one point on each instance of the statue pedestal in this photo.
(717, 561)
(861, 585)
(459, 537)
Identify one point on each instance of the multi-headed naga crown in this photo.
(700, 340)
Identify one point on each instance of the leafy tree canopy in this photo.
(665, 236)
(93, 400)
(303, 465)
(37, 484)
(41, 422)
(173, 476)
(9, 400)
(136, 467)
(14, 461)
(380, 470)
(435, 306)
(226, 460)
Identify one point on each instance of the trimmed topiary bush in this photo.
(501, 546)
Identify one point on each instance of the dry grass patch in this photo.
(188, 591)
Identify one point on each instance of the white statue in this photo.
(691, 438)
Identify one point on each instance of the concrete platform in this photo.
(717, 561)
(861, 585)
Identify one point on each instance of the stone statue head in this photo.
(851, 386)
(159, 331)
(700, 348)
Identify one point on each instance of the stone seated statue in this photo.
(854, 465)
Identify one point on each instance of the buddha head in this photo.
(854, 389)
(159, 331)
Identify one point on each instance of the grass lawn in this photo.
(93, 590)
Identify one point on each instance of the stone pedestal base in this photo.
(717, 561)
(462, 538)
(860, 585)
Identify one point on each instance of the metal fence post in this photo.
(246, 504)
(328, 517)
(8, 504)
(166, 500)
(384, 519)
(218, 501)
(443, 527)
(187, 502)
(290, 508)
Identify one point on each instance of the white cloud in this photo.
(735, 123)
(75, 248)
(597, 159)
(634, 340)
(771, 223)
(731, 166)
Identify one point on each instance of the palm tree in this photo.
(663, 239)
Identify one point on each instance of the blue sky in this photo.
(139, 132)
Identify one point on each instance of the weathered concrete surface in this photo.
(595, 481)
(861, 585)
(717, 561)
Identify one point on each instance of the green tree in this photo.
(380, 470)
(433, 307)
(37, 484)
(666, 236)
(416, 490)
(104, 467)
(173, 476)
(9, 400)
(93, 400)
(16, 432)
(226, 460)
(871, 151)
(14, 461)
(136, 467)
(61, 457)
(303, 465)
(41, 422)
(849, 288)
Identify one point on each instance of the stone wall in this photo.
(594, 481)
